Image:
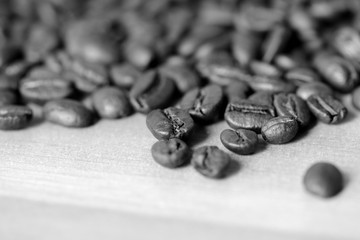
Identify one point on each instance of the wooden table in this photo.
(101, 182)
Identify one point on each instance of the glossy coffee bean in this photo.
(292, 105)
(240, 141)
(124, 75)
(210, 161)
(204, 104)
(151, 91)
(356, 98)
(248, 114)
(184, 78)
(280, 130)
(169, 123)
(316, 88)
(346, 41)
(323, 180)
(13, 117)
(68, 113)
(111, 102)
(171, 153)
(8, 97)
(300, 76)
(264, 69)
(326, 108)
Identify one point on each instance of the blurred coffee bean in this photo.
(264, 69)
(124, 75)
(275, 42)
(236, 90)
(317, 88)
(356, 98)
(260, 83)
(13, 117)
(300, 76)
(245, 46)
(8, 97)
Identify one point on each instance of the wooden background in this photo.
(101, 182)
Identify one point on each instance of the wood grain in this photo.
(108, 167)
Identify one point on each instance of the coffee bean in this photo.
(171, 153)
(285, 62)
(326, 108)
(124, 75)
(323, 180)
(337, 71)
(111, 102)
(169, 123)
(275, 42)
(151, 91)
(292, 105)
(213, 46)
(245, 46)
(139, 54)
(356, 98)
(280, 130)
(241, 141)
(210, 161)
(204, 104)
(236, 91)
(13, 117)
(316, 88)
(248, 115)
(8, 97)
(184, 78)
(300, 76)
(264, 69)
(93, 72)
(263, 98)
(261, 83)
(68, 113)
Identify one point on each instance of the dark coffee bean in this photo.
(245, 46)
(337, 71)
(248, 115)
(356, 98)
(93, 72)
(323, 180)
(43, 86)
(171, 153)
(275, 42)
(293, 106)
(8, 97)
(236, 90)
(111, 102)
(241, 141)
(151, 91)
(213, 46)
(14, 117)
(204, 104)
(139, 54)
(280, 130)
(300, 76)
(260, 83)
(316, 88)
(210, 161)
(184, 78)
(169, 123)
(263, 98)
(326, 108)
(124, 75)
(264, 69)
(68, 113)
(285, 62)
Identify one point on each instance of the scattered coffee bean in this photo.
(124, 75)
(210, 161)
(184, 78)
(14, 117)
(356, 98)
(261, 83)
(241, 141)
(171, 153)
(280, 130)
(323, 180)
(301, 76)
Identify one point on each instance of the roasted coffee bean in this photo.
(169, 123)
(94, 72)
(151, 91)
(216, 14)
(217, 44)
(293, 106)
(260, 83)
(210, 161)
(139, 54)
(8, 97)
(285, 62)
(124, 75)
(171, 153)
(184, 78)
(316, 88)
(275, 42)
(68, 113)
(241, 141)
(236, 90)
(14, 117)
(245, 46)
(356, 98)
(264, 69)
(337, 71)
(300, 76)
(43, 86)
(323, 180)
(280, 130)
(248, 114)
(204, 104)
(59, 61)
(326, 108)
(111, 102)
(263, 98)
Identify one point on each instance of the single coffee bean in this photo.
(248, 115)
(316, 88)
(300, 76)
(93, 72)
(213, 46)
(293, 106)
(8, 97)
(356, 98)
(280, 130)
(169, 123)
(151, 91)
(264, 69)
(204, 104)
(210, 161)
(59, 61)
(184, 78)
(263, 98)
(275, 42)
(13, 117)
(111, 102)
(285, 62)
(124, 75)
(68, 113)
(241, 141)
(337, 71)
(245, 46)
(261, 83)
(171, 153)
(236, 90)
(326, 108)
(323, 180)
(138, 54)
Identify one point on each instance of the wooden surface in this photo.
(102, 182)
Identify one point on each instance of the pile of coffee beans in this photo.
(269, 68)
